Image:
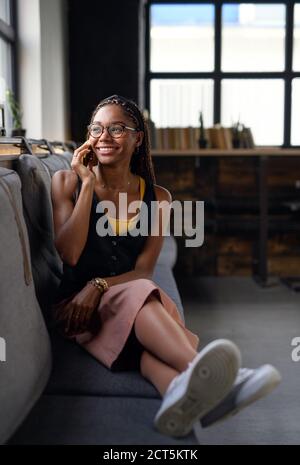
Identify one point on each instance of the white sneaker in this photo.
(206, 381)
(249, 386)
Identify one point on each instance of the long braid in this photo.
(141, 161)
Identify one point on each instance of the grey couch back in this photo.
(35, 174)
(24, 373)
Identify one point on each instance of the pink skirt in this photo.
(115, 344)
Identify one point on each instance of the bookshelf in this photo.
(215, 137)
(254, 192)
(263, 151)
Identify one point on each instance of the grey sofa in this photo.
(51, 390)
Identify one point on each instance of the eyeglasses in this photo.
(114, 130)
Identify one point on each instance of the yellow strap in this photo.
(119, 225)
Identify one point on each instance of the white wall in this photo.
(30, 66)
(43, 75)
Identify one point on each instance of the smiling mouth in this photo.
(106, 149)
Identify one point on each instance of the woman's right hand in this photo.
(84, 172)
(80, 313)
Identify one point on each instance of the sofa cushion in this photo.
(163, 276)
(25, 372)
(94, 420)
(168, 253)
(35, 174)
(57, 162)
(75, 371)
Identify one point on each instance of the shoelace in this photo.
(175, 381)
(243, 373)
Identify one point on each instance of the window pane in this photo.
(296, 58)
(256, 103)
(182, 37)
(178, 102)
(5, 80)
(295, 139)
(5, 10)
(253, 37)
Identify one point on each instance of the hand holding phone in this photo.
(90, 157)
(83, 161)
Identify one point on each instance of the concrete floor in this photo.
(262, 322)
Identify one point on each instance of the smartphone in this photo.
(90, 156)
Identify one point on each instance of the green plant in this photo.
(15, 109)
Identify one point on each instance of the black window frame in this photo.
(287, 75)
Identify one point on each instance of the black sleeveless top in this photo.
(108, 255)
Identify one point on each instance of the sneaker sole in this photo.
(261, 391)
(210, 381)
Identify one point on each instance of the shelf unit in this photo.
(264, 205)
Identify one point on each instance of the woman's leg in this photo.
(157, 372)
(159, 333)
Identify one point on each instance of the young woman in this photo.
(107, 301)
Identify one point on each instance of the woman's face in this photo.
(109, 149)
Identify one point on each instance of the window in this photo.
(5, 11)
(253, 37)
(296, 112)
(180, 100)
(7, 55)
(296, 48)
(240, 99)
(234, 61)
(182, 38)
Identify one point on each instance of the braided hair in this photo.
(141, 161)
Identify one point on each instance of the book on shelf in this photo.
(220, 138)
(187, 138)
(177, 138)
